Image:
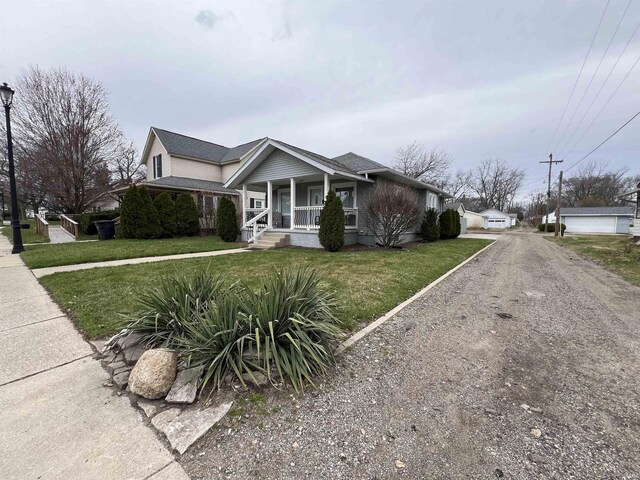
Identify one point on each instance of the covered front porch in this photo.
(294, 205)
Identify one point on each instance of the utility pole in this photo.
(551, 161)
(558, 222)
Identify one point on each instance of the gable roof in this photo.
(236, 153)
(182, 145)
(184, 183)
(454, 206)
(357, 163)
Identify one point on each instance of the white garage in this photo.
(595, 219)
(496, 219)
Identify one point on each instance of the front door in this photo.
(315, 196)
(284, 201)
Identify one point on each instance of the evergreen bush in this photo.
(456, 223)
(331, 234)
(430, 229)
(187, 216)
(166, 208)
(85, 221)
(151, 228)
(552, 227)
(131, 213)
(227, 220)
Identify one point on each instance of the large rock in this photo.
(154, 373)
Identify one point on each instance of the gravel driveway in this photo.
(523, 364)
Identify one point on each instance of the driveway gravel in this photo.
(523, 364)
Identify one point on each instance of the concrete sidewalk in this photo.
(41, 272)
(58, 421)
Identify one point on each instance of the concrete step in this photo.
(271, 240)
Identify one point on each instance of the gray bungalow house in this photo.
(295, 183)
(279, 188)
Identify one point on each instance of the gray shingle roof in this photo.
(177, 144)
(316, 156)
(190, 184)
(236, 152)
(452, 206)
(625, 210)
(357, 163)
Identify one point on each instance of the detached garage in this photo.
(496, 219)
(596, 219)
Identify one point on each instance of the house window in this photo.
(256, 203)
(432, 201)
(207, 205)
(157, 166)
(347, 194)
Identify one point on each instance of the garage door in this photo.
(497, 223)
(590, 224)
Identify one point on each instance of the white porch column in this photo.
(244, 204)
(293, 202)
(270, 204)
(326, 186)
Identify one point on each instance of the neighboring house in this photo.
(104, 202)
(296, 181)
(633, 197)
(496, 218)
(177, 163)
(595, 219)
(475, 220)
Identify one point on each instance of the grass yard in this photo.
(29, 235)
(615, 253)
(40, 256)
(368, 282)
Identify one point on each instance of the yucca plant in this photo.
(167, 310)
(293, 325)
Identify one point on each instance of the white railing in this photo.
(69, 225)
(309, 217)
(257, 224)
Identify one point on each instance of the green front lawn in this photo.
(53, 255)
(368, 282)
(29, 235)
(615, 253)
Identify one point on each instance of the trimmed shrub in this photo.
(131, 213)
(552, 227)
(331, 234)
(430, 229)
(449, 224)
(456, 224)
(85, 221)
(166, 208)
(187, 216)
(227, 220)
(151, 228)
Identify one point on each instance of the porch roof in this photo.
(183, 184)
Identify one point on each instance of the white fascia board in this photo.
(426, 186)
(147, 145)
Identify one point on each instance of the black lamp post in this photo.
(6, 94)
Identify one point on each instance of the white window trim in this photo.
(435, 200)
(346, 185)
(320, 188)
(255, 203)
(280, 192)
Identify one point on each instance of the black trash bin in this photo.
(106, 229)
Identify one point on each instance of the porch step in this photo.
(272, 240)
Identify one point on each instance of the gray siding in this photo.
(280, 165)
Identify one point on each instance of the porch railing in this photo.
(69, 225)
(42, 226)
(309, 217)
(257, 223)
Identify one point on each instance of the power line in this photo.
(605, 105)
(593, 76)
(579, 74)
(599, 90)
(604, 141)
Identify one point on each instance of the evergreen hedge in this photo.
(331, 234)
(552, 227)
(449, 224)
(131, 213)
(430, 229)
(187, 216)
(85, 221)
(166, 208)
(227, 220)
(151, 227)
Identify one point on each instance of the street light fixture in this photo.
(6, 95)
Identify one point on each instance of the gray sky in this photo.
(478, 79)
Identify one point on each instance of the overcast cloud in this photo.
(477, 79)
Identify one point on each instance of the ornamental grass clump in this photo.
(168, 308)
(286, 330)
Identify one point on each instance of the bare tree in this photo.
(496, 184)
(64, 119)
(392, 210)
(416, 161)
(126, 168)
(458, 184)
(594, 185)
